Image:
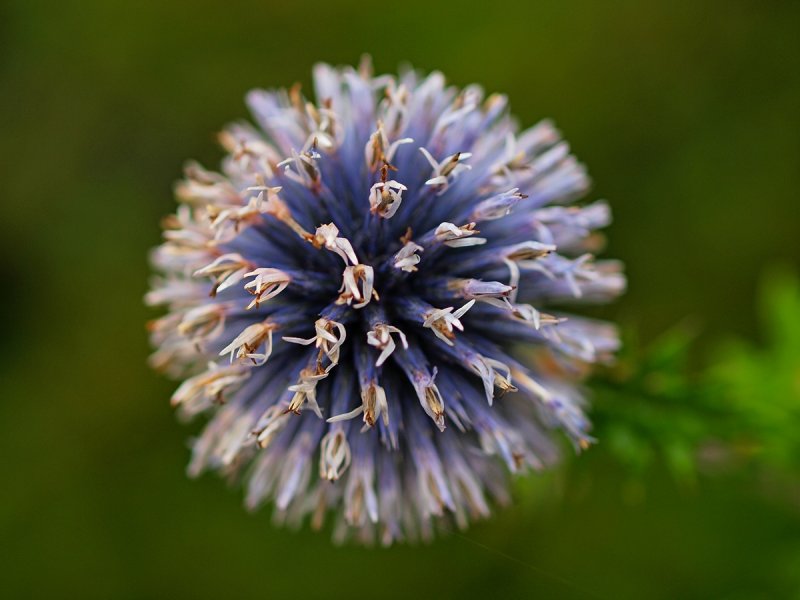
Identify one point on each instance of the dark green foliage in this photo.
(741, 411)
(761, 382)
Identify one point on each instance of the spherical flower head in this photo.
(359, 301)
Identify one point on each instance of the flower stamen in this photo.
(246, 344)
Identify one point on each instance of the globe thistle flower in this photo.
(359, 301)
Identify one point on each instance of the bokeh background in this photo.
(688, 116)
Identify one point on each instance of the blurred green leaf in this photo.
(647, 408)
(761, 383)
(743, 410)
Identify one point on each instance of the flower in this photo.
(357, 302)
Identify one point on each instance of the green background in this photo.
(688, 116)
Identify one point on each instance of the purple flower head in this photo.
(358, 302)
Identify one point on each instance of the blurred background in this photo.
(688, 116)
